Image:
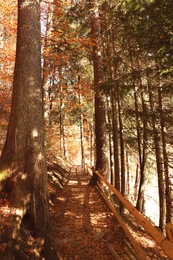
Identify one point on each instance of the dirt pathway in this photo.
(84, 226)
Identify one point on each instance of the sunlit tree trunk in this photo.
(23, 154)
(141, 201)
(46, 72)
(91, 156)
(81, 126)
(128, 175)
(109, 119)
(137, 88)
(142, 145)
(107, 71)
(122, 146)
(63, 148)
(161, 185)
(115, 140)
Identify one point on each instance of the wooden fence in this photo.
(165, 244)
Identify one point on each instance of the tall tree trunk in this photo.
(161, 185)
(141, 152)
(122, 148)
(81, 126)
(46, 71)
(63, 148)
(91, 145)
(128, 175)
(143, 141)
(165, 161)
(100, 117)
(115, 140)
(111, 177)
(23, 154)
(108, 78)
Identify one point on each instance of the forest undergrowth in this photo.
(81, 224)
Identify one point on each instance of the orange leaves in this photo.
(4, 214)
(8, 17)
(8, 27)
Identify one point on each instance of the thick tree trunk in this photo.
(23, 155)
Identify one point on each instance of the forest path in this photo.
(84, 226)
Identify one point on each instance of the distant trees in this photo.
(130, 47)
(67, 85)
(142, 61)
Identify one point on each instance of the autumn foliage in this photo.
(8, 25)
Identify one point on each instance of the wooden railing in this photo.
(160, 239)
(169, 231)
(165, 244)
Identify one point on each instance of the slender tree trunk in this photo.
(165, 161)
(122, 149)
(46, 71)
(141, 201)
(141, 152)
(63, 148)
(110, 140)
(115, 140)
(128, 174)
(81, 130)
(161, 185)
(137, 179)
(100, 117)
(91, 145)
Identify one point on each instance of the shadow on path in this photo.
(84, 225)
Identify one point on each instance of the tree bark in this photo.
(140, 201)
(122, 146)
(165, 161)
(161, 186)
(100, 117)
(115, 140)
(81, 127)
(110, 125)
(23, 155)
(140, 139)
